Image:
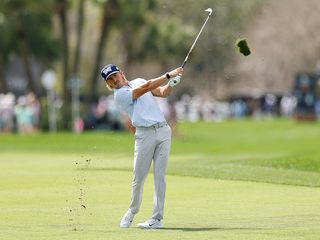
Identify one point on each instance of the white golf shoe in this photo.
(127, 219)
(151, 224)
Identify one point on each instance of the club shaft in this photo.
(194, 43)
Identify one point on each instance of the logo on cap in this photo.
(108, 70)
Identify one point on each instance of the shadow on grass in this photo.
(200, 229)
(104, 169)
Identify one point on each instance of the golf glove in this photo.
(175, 81)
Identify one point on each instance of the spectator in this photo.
(24, 116)
(288, 104)
(270, 105)
(238, 108)
(35, 107)
(7, 112)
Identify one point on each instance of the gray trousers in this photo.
(150, 144)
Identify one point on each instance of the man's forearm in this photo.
(165, 90)
(156, 82)
(150, 85)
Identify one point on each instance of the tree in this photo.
(137, 16)
(111, 11)
(28, 34)
(143, 36)
(62, 8)
(16, 11)
(166, 42)
(79, 38)
(6, 37)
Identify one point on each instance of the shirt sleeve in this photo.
(124, 98)
(142, 81)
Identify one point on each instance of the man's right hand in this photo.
(176, 72)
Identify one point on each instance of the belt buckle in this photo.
(158, 125)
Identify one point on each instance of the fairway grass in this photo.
(44, 204)
(43, 200)
(231, 180)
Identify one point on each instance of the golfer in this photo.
(152, 136)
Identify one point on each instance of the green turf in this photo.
(70, 186)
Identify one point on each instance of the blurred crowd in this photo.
(103, 115)
(23, 114)
(198, 108)
(20, 114)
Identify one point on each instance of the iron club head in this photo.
(209, 10)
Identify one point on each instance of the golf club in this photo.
(209, 10)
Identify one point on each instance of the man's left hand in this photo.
(175, 80)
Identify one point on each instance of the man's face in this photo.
(115, 80)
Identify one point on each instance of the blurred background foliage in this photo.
(145, 38)
(61, 33)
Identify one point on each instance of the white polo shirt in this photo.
(143, 111)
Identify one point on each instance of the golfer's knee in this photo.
(159, 177)
(138, 181)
